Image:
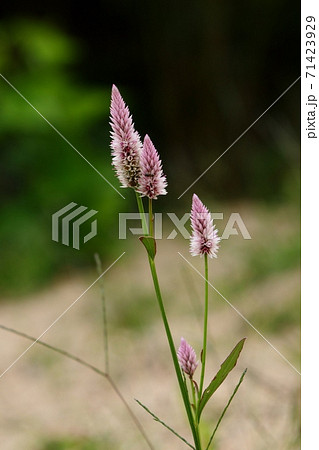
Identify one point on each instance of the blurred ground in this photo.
(51, 403)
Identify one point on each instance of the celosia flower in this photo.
(204, 239)
(126, 144)
(152, 181)
(187, 358)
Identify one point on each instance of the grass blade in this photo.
(226, 407)
(165, 425)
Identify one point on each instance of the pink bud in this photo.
(204, 239)
(187, 358)
(152, 181)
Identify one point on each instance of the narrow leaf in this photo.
(225, 368)
(150, 245)
(226, 407)
(164, 424)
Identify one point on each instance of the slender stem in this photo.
(150, 213)
(89, 366)
(195, 402)
(194, 399)
(142, 213)
(157, 419)
(193, 393)
(174, 357)
(179, 376)
(205, 330)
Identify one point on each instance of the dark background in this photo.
(195, 75)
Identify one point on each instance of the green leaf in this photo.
(150, 245)
(226, 407)
(228, 365)
(164, 424)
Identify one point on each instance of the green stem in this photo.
(174, 357)
(150, 213)
(179, 376)
(193, 393)
(205, 330)
(142, 213)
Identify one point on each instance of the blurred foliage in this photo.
(40, 173)
(195, 75)
(279, 320)
(76, 444)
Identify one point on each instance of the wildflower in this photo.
(152, 181)
(187, 358)
(126, 144)
(204, 239)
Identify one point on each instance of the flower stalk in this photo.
(202, 376)
(178, 372)
(150, 213)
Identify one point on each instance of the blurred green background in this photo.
(195, 76)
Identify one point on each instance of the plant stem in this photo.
(205, 329)
(179, 376)
(150, 213)
(142, 213)
(174, 357)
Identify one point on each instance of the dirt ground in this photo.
(47, 398)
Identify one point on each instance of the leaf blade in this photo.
(164, 424)
(150, 244)
(225, 368)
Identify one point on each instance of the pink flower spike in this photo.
(204, 239)
(152, 181)
(187, 358)
(126, 144)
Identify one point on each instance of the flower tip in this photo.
(195, 198)
(114, 88)
(147, 140)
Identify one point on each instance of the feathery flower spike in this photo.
(187, 358)
(152, 181)
(126, 144)
(204, 239)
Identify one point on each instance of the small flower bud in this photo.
(187, 358)
(152, 181)
(204, 239)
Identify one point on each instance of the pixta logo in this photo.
(67, 223)
(234, 226)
